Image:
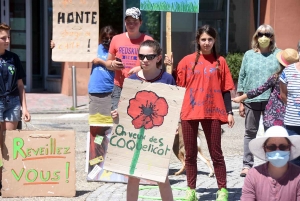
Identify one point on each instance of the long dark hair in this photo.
(213, 33)
(107, 30)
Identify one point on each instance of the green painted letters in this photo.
(35, 173)
(47, 176)
(18, 144)
(17, 177)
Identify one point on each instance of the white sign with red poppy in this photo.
(143, 135)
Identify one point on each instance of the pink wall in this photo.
(283, 16)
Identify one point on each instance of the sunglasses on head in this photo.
(148, 56)
(274, 147)
(268, 35)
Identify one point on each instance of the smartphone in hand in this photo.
(118, 59)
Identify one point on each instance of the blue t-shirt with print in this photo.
(163, 77)
(101, 79)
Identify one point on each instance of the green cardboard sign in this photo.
(186, 6)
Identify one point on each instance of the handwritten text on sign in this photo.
(40, 164)
(153, 145)
(45, 152)
(75, 30)
(141, 140)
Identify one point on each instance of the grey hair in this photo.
(268, 29)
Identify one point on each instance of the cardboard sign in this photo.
(99, 137)
(143, 136)
(75, 30)
(38, 163)
(186, 6)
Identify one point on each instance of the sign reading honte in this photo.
(75, 30)
(39, 163)
(142, 138)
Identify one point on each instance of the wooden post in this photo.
(169, 39)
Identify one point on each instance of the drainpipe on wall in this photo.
(227, 25)
(258, 13)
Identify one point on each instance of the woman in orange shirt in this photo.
(207, 80)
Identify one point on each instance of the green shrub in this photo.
(234, 62)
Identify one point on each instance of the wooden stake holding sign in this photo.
(169, 40)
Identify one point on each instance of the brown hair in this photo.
(213, 33)
(4, 26)
(156, 49)
(107, 30)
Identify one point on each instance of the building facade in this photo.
(235, 21)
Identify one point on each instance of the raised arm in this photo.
(270, 83)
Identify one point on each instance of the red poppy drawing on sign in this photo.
(147, 110)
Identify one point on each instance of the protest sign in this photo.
(99, 137)
(75, 30)
(38, 163)
(143, 135)
(187, 6)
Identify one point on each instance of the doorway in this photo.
(26, 21)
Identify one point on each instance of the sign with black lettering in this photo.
(75, 30)
(143, 135)
(38, 163)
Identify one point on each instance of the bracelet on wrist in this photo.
(230, 112)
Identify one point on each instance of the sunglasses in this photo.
(268, 35)
(274, 147)
(148, 56)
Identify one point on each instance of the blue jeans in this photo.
(294, 130)
(10, 107)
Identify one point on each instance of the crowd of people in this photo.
(208, 81)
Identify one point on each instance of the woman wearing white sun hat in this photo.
(277, 179)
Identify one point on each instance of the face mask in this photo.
(106, 44)
(264, 41)
(278, 158)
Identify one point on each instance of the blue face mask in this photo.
(278, 158)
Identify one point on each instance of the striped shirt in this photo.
(291, 77)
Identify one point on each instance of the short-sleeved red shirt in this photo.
(127, 50)
(203, 97)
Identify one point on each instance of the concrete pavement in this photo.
(206, 186)
(45, 103)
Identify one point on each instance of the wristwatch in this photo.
(230, 112)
